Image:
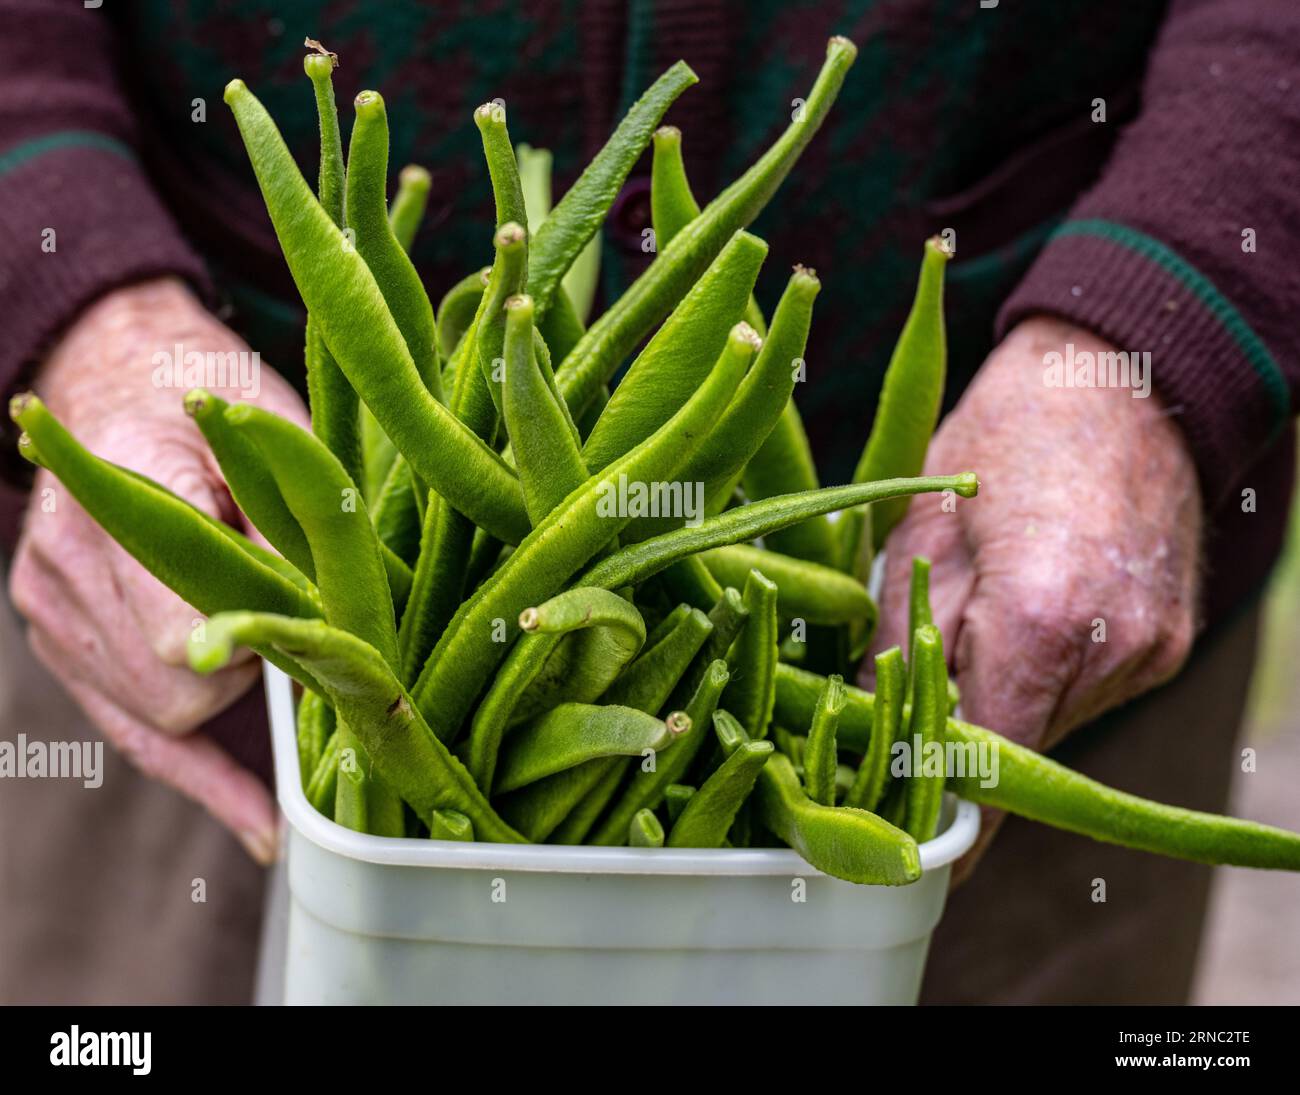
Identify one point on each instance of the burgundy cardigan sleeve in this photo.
(77, 213)
(1186, 246)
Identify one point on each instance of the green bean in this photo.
(350, 795)
(178, 544)
(728, 616)
(844, 843)
(333, 402)
(908, 409)
(534, 166)
(547, 558)
(690, 582)
(753, 658)
(646, 685)
(678, 266)
(456, 310)
(394, 513)
(394, 273)
(575, 733)
(577, 824)
(503, 169)
(506, 281)
(633, 564)
(820, 755)
(681, 354)
(593, 412)
(646, 831)
(673, 205)
(399, 578)
(371, 701)
(254, 492)
(315, 727)
(929, 714)
(676, 796)
(647, 788)
(1037, 787)
(338, 287)
(886, 728)
(918, 614)
(323, 784)
(541, 435)
(539, 809)
(349, 564)
(784, 465)
(665, 627)
(577, 216)
(378, 454)
(649, 681)
(806, 591)
(708, 815)
(437, 586)
(792, 745)
(450, 825)
(618, 632)
(561, 327)
(407, 209)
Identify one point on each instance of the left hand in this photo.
(1068, 586)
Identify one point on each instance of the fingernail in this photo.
(261, 845)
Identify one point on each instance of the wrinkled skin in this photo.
(112, 634)
(1088, 510)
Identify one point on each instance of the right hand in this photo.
(109, 631)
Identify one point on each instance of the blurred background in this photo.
(1251, 953)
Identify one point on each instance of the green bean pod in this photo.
(542, 438)
(753, 658)
(450, 825)
(673, 205)
(575, 733)
(784, 465)
(350, 795)
(187, 550)
(339, 289)
(456, 312)
(728, 616)
(908, 410)
(541, 808)
(254, 492)
(690, 582)
(821, 758)
(844, 843)
(323, 784)
(918, 614)
(326, 503)
(886, 727)
(578, 215)
(676, 796)
(315, 727)
(506, 281)
(407, 209)
(394, 273)
(647, 788)
(562, 328)
(363, 801)
(633, 564)
(534, 166)
(617, 632)
(546, 559)
(709, 813)
(579, 820)
(371, 701)
(503, 168)
(679, 265)
(805, 591)
(437, 585)
(334, 404)
(682, 353)
(394, 513)
(926, 730)
(648, 683)
(646, 831)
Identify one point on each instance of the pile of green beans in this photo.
(498, 637)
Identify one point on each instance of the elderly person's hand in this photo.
(112, 634)
(1069, 585)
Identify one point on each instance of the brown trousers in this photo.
(97, 886)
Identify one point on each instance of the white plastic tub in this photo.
(375, 920)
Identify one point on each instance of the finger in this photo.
(102, 648)
(195, 766)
